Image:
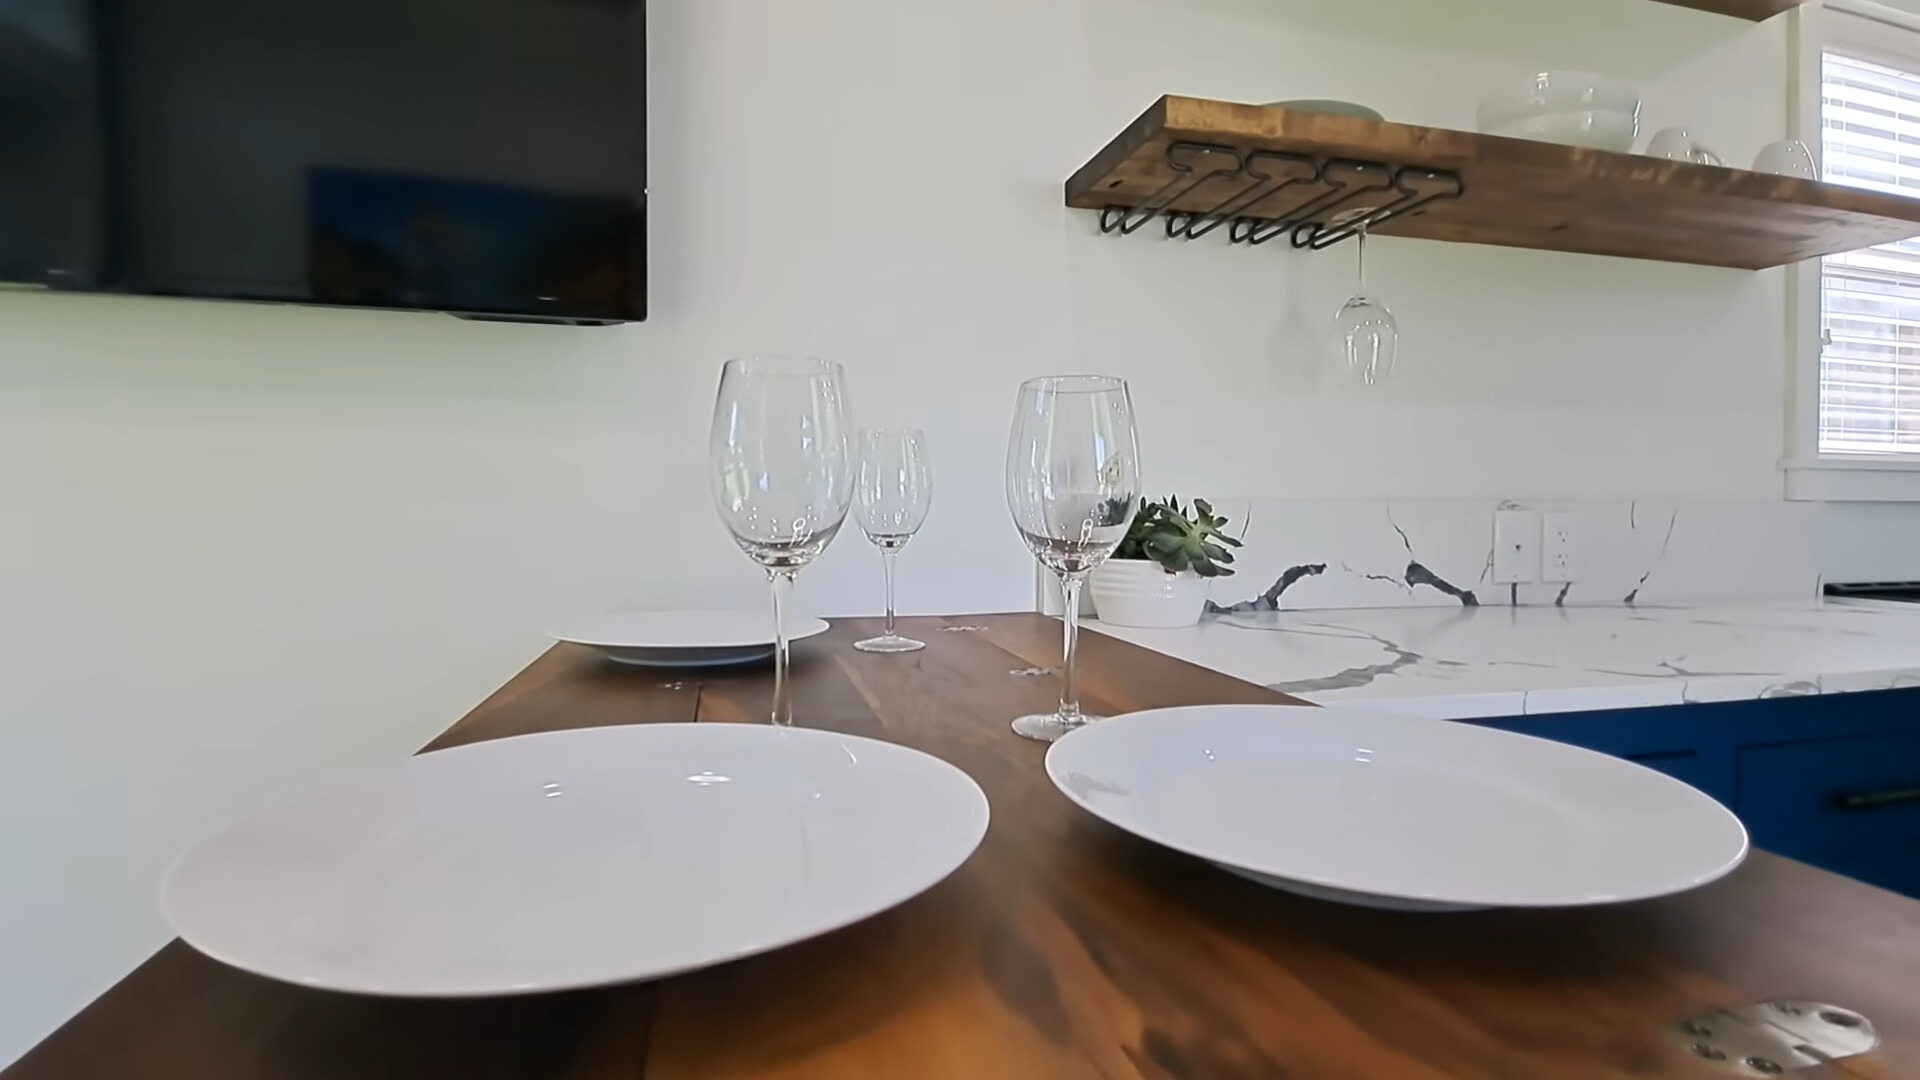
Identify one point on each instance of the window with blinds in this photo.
(1870, 299)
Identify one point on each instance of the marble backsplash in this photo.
(1368, 553)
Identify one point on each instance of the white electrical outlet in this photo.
(1516, 547)
(1558, 545)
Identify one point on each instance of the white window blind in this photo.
(1870, 299)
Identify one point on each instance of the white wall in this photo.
(1872, 542)
(244, 545)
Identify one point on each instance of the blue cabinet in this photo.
(1831, 780)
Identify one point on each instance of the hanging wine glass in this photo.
(782, 474)
(1365, 336)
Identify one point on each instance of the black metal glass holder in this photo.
(1193, 164)
(1313, 223)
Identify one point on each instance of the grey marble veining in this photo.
(1505, 661)
(1320, 554)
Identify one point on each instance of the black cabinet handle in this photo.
(1853, 801)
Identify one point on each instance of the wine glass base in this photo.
(889, 643)
(1049, 727)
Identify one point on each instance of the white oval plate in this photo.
(684, 638)
(1393, 811)
(577, 858)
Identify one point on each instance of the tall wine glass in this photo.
(1073, 484)
(1366, 338)
(891, 499)
(782, 473)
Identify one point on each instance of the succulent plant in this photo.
(1179, 539)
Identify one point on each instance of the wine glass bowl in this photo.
(1365, 336)
(781, 470)
(1367, 341)
(1073, 484)
(893, 492)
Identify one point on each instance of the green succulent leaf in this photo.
(1177, 539)
(1214, 551)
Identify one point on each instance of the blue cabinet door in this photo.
(1850, 804)
(1832, 780)
(1687, 766)
(1665, 739)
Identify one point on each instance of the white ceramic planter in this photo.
(1137, 592)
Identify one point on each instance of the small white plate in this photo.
(573, 859)
(1328, 106)
(1394, 811)
(684, 638)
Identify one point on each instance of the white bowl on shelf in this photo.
(1789, 157)
(1328, 107)
(1575, 108)
(1679, 144)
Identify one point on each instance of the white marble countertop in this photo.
(1469, 662)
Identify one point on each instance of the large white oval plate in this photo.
(684, 638)
(1392, 811)
(572, 859)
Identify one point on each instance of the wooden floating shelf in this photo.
(1193, 160)
(1755, 10)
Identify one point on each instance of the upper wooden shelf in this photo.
(1756, 10)
(1196, 157)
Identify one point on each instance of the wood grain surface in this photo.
(1518, 192)
(1063, 949)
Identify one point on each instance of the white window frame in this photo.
(1878, 34)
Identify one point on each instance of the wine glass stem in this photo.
(887, 556)
(782, 688)
(1361, 261)
(1070, 619)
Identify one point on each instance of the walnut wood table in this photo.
(1065, 949)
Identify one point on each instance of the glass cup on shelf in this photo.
(781, 466)
(1073, 484)
(892, 495)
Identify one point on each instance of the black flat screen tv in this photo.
(480, 157)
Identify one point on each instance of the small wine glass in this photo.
(782, 473)
(1073, 484)
(891, 499)
(1366, 338)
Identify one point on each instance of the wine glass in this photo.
(782, 474)
(1365, 337)
(1073, 484)
(891, 499)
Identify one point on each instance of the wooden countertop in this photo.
(1064, 949)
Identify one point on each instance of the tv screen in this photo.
(481, 157)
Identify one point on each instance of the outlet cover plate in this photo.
(1559, 545)
(1516, 547)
